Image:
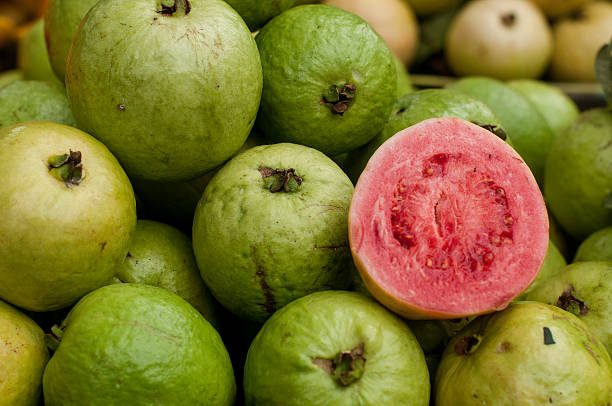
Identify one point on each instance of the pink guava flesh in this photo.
(447, 221)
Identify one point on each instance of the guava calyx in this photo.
(53, 339)
(347, 366)
(280, 179)
(67, 167)
(493, 128)
(508, 20)
(468, 344)
(569, 302)
(339, 98)
(175, 7)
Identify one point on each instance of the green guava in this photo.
(503, 39)
(404, 83)
(162, 256)
(67, 219)
(158, 82)
(603, 70)
(32, 56)
(584, 289)
(10, 76)
(256, 13)
(32, 100)
(553, 263)
(427, 7)
(578, 176)
(329, 79)
(556, 8)
(133, 344)
(531, 136)
(596, 247)
(335, 348)
(433, 31)
(558, 236)
(272, 227)
(62, 19)
(527, 354)
(23, 356)
(415, 107)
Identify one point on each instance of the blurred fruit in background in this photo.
(16, 16)
(32, 56)
(556, 8)
(427, 7)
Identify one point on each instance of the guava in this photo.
(528, 354)
(393, 20)
(444, 211)
(553, 263)
(132, 344)
(584, 289)
(336, 92)
(578, 176)
(272, 227)
(10, 76)
(531, 136)
(503, 39)
(603, 70)
(596, 247)
(416, 107)
(556, 8)
(558, 236)
(61, 22)
(578, 38)
(23, 356)
(433, 31)
(32, 56)
(427, 7)
(33, 100)
(67, 219)
(256, 13)
(404, 82)
(433, 335)
(158, 83)
(335, 348)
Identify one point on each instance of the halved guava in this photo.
(447, 221)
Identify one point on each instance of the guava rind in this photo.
(596, 247)
(32, 56)
(556, 8)
(256, 13)
(558, 237)
(513, 365)
(578, 176)
(23, 356)
(293, 107)
(321, 325)
(553, 263)
(59, 242)
(258, 250)
(135, 344)
(135, 81)
(32, 100)
(9, 76)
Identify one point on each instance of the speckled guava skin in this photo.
(585, 289)
(23, 356)
(596, 247)
(553, 262)
(336, 49)
(133, 344)
(258, 250)
(173, 94)
(32, 55)
(528, 354)
(258, 12)
(10, 76)
(287, 353)
(60, 241)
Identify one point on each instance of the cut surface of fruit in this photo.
(447, 221)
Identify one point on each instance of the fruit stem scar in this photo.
(53, 339)
(339, 98)
(280, 179)
(175, 8)
(568, 302)
(508, 19)
(346, 367)
(67, 167)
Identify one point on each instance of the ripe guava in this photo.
(23, 356)
(393, 20)
(158, 83)
(504, 39)
(427, 7)
(529, 354)
(556, 8)
(531, 136)
(578, 38)
(256, 13)
(444, 211)
(10, 76)
(132, 344)
(553, 263)
(32, 56)
(62, 19)
(584, 289)
(335, 348)
(33, 100)
(596, 247)
(336, 92)
(162, 256)
(67, 219)
(578, 176)
(416, 107)
(272, 227)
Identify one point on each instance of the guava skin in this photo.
(528, 354)
(288, 351)
(596, 247)
(559, 237)
(133, 344)
(61, 240)
(416, 107)
(556, 8)
(9, 76)
(584, 289)
(23, 356)
(404, 82)
(136, 81)
(578, 176)
(61, 23)
(332, 95)
(32, 100)
(553, 263)
(32, 56)
(257, 250)
(256, 13)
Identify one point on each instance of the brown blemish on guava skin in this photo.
(339, 98)
(508, 19)
(503, 347)
(333, 248)
(270, 303)
(168, 11)
(121, 107)
(347, 366)
(102, 246)
(466, 345)
(567, 301)
(129, 255)
(590, 350)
